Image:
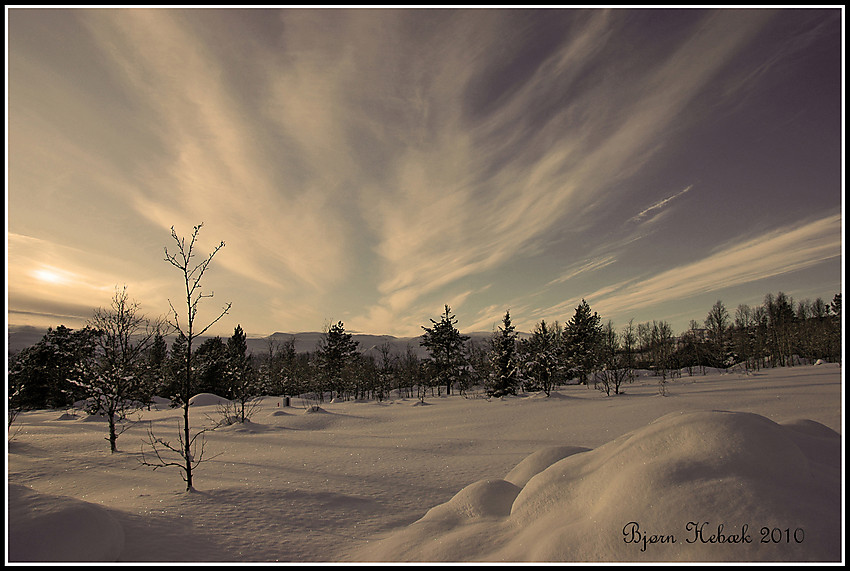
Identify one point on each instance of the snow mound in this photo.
(670, 491)
(207, 399)
(315, 409)
(247, 426)
(44, 527)
(97, 417)
(482, 499)
(539, 461)
(68, 416)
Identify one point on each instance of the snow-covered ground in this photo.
(577, 476)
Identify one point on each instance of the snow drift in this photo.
(694, 486)
(500, 477)
(207, 399)
(59, 528)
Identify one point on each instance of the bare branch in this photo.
(223, 313)
(191, 450)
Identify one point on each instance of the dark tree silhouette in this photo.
(503, 359)
(116, 385)
(192, 273)
(582, 339)
(336, 354)
(446, 346)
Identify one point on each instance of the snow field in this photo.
(519, 478)
(714, 467)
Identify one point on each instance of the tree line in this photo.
(60, 369)
(121, 360)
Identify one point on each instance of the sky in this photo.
(372, 165)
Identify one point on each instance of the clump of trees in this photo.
(38, 375)
(616, 358)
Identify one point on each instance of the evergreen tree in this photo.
(42, 371)
(503, 358)
(175, 371)
(445, 344)
(336, 354)
(540, 357)
(278, 368)
(242, 383)
(291, 369)
(157, 364)
(582, 339)
(238, 363)
(835, 344)
(210, 368)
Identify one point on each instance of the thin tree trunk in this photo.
(113, 446)
(187, 443)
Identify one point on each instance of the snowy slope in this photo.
(514, 479)
(665, 492)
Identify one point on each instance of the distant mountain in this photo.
(22, 336)
(309, 341)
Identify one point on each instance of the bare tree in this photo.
(663, 344)
(183, 259)
(717, 323)
(13, 407)
(628, 345)
(613, 370)
(387, 369)
(743, 336)
(116, 386)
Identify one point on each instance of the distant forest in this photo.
(61, 368)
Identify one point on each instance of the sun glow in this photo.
(51, 276)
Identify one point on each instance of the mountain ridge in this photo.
(20, 337)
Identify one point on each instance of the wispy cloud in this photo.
(372, 164)
(434, 226)
(774, 253)
(583, 268)
(659, 205)
(212, 166)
